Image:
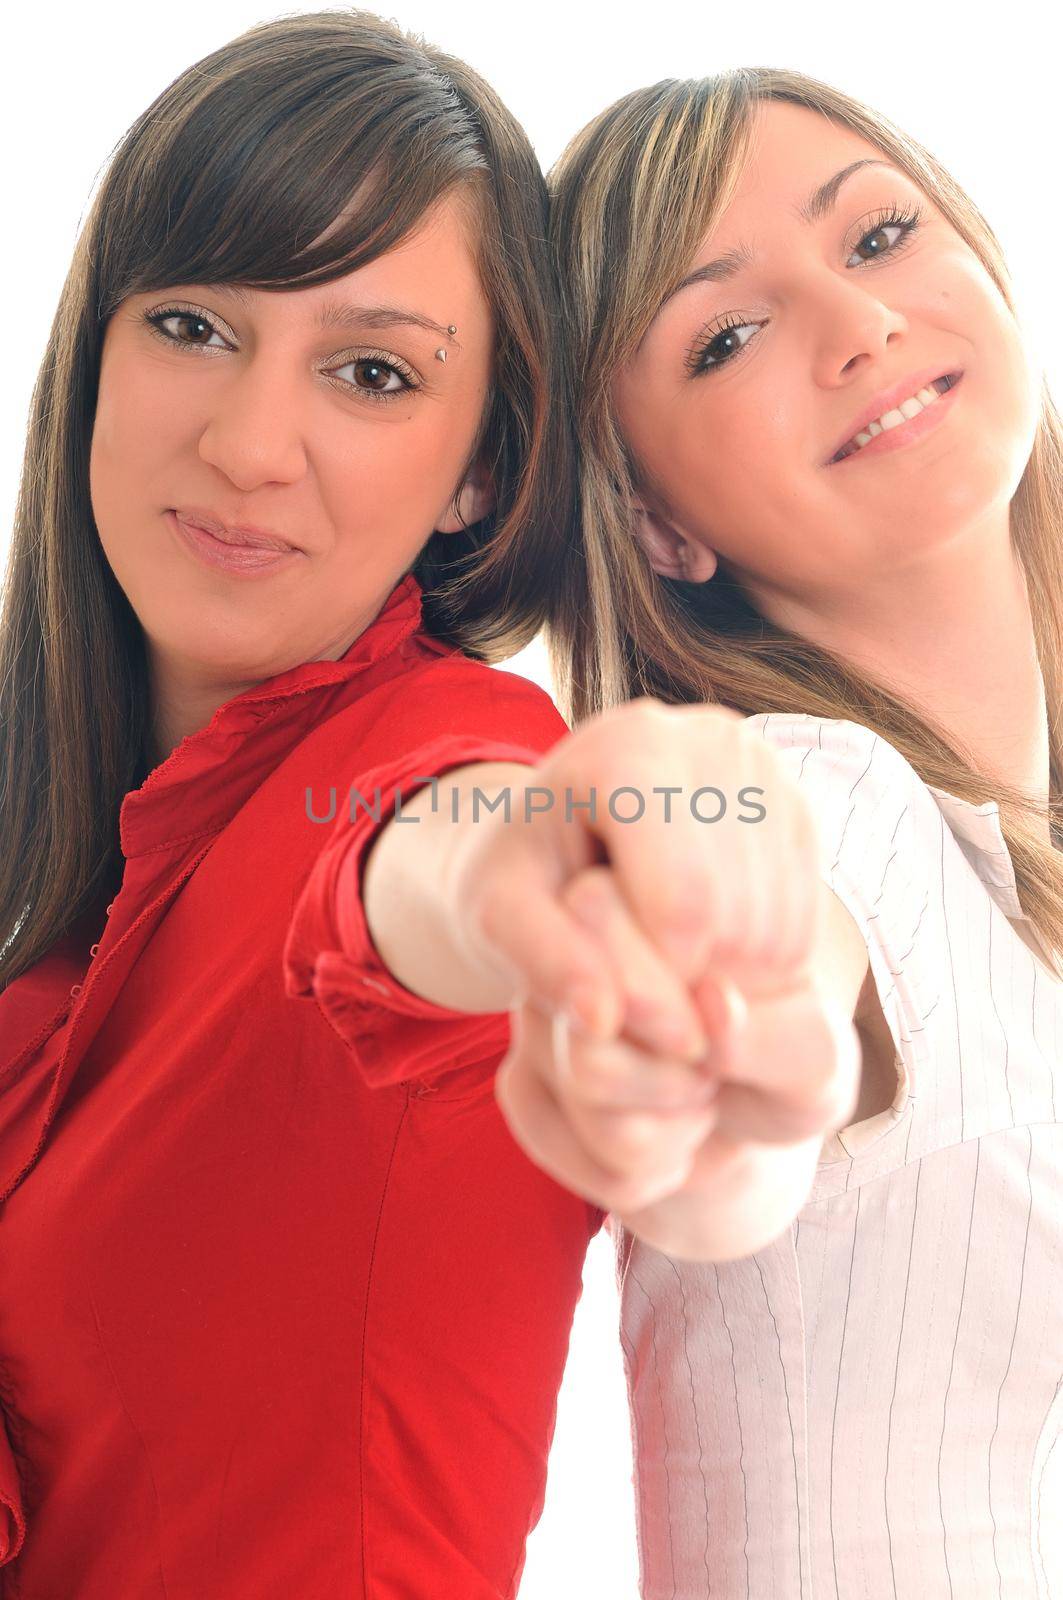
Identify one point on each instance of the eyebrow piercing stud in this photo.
(441, 355)
(452, 328)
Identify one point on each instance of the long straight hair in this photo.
(244, 159)
(632, 198)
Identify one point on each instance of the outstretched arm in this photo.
(632, 952)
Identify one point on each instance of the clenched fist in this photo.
(677, 1055)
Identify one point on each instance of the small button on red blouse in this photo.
(283, 1307)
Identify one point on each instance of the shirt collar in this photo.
(978, 832)
(211, 773)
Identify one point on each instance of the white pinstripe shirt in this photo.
(864, 1409)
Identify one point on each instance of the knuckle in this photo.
(723, 715)
(643, 1147)
(646, 721)
(723, 730)
(592, 1083)
(648, 707)
(628, 1143)
(592, 891)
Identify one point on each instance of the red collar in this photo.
(211, 773)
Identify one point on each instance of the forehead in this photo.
(791, 150)
(439, 255)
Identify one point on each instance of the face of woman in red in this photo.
(812, 329)
(321, 417)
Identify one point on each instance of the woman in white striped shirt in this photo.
(823, 485)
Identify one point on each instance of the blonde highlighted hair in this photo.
(633, 196)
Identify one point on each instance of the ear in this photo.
(474, 500)
(670, 553)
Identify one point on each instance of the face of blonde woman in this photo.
(321, 417)
(792, 333)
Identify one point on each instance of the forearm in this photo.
(409, 891)
(750, 1198)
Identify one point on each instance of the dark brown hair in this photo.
(244, 160)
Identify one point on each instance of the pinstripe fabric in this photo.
(864, 1410)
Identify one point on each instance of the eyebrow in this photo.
(335, 314)
(818, 205)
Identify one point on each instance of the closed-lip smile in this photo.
(233, 533)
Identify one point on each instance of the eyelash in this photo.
(380, 358)
(907, 218)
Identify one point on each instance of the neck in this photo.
(181, 708)
(954, 637)
(185, 694)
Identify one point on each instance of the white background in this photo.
(982, 93)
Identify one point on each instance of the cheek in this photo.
(397, 470)
(1013, 379)
(134, 421)
(966, 302)
(140, 429)
(1005, 380)
(732, 458)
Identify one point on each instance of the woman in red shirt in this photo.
(266, 1327)
(284, 1308)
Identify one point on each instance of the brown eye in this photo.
(202, 330)
(879, 242)
(888, 237)
(722, 348)
(376, 375)
(376, 378)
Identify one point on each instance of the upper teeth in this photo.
(892, 419)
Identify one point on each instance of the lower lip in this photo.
(240, 559)
(916, 427)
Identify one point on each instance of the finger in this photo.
(628, 1141)
(641, 1146)
(710, 885)
(543, 1130)
(617, 1075)
(658, 1010)
(650, 761)
(765, 872)
(724, 1012)
(522, 928)
(746, 1179)
(794, 1072)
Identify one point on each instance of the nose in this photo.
(855, 326)
(254, 435)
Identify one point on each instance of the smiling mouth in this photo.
(907, 409)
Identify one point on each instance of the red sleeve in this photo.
(393, 1034)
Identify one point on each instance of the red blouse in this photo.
(283, 1307)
